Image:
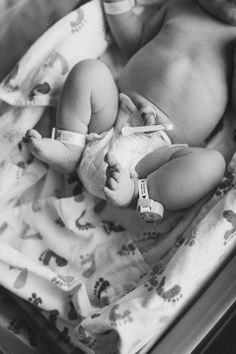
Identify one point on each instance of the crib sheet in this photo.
(105, 280)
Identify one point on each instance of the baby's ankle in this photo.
(69, 137)
(134, 201)
(80, 127)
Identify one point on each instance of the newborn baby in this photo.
(175, 88)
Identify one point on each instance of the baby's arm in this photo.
(132, 31)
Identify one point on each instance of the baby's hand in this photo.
(149, 115)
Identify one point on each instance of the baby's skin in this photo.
(182, 61)
(224, 10)
(193, 64)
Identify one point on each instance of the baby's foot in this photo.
(120, 188)
(60, 156)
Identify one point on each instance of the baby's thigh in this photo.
(104, 99)
(91, 92)
(207, 164)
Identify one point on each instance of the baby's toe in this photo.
(111, 184)
(32, 133)
(36, 146)
(111, 173)
(116, 176)
(112, 162)
(110, 195)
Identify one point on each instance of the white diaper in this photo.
(128, 149)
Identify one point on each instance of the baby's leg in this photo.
(189, 174)
(88, 103)
(176, 176)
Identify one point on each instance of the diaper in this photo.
(128, 141)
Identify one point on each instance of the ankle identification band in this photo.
(120, 7)
(149, 210)
(68, 137)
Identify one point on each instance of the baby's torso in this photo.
(185, 70)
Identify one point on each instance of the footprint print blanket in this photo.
(105, 279)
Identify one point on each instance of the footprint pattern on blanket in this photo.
(85, 226)
(153, 283)
(48, 254)
(72, 314)
(27, 235)
(127, 249)
(21, 278)
(62, 280)
(110, 227)
(190, 241)
(43, 88)
(35, 300)
(226, 184)
(64, 337)
(100, 287)
(79, 21)
(19, 326)
(53, 315)
(230, 216)
(148, 238)
(90, 263)
(33, 236)
(55, 57)
(86, 339)
(119, 318)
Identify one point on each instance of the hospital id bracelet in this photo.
(68, 137)
(149, 210)
(117, 8)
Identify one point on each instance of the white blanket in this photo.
(101, 276)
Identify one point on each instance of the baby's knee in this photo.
(87, 69)
(212, 163)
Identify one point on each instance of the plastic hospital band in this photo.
(146, 128)
(117, 8)
(148, 209)
(68, 137)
